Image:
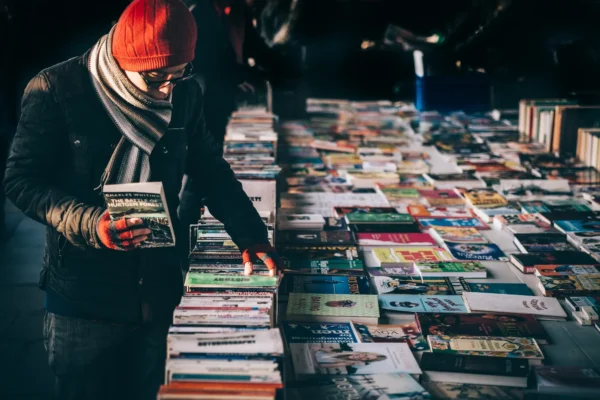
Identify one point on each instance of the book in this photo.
(541, 307)
(412, 285)
(527, 262)
(198, 279)
(571, 382)
(473, 251)
(441, 198)
(578, 226)
(484, 198)
(305, 332)
(352, 359)
(514, 325)
(467, 391)
(565, 269)
(565, 285)
(324, 284)
(457, 235)
(499, 288)
(422, 304)
(447, 268)
(452, 222)
(490, 346)
(332, 307)
(421, 211)
(309, 238)
(458, 368)
(395, 333)
(394, 239)
(397, 386)
(146, 201)
(542, 242)
(397, 256)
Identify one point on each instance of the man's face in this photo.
(144, 80)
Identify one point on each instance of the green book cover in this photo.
(450, 267)
(198, 279)
(332, 305)
(357, 218)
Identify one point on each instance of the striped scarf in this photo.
(141, 119)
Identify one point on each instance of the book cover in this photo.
(412, 285)
(332, 305)
(199, 279)
(564, 285)
(472, 269)
(578, 226)
(484, 198)
(491, 346)
(396, 386)
(479, 252)
(326, 284)
(542, 242)
(395, 239)
(146, 201)
(533, 206)
(528, 262)
(304, 332)
(514, 325)
(399, 333)
(567, 381)
(565, 269)
(421, 211)
(352, 359)
(422, 304)
(309, 238)
(541, 307)
(378, 218)
(466, 364)
(395, 256)
(404, 270)
(565, 205)
(499, 288)
(458, 235)
(442, 198)
(452, 222)
(467, 391)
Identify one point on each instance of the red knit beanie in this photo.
(154, 34)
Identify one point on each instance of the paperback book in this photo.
(472, 269)
(491, 346)
(479, 252)
(395, 333)
(423, 304)
(332, 307)
(146, 201)
(541, 307)
(324, 284)
(304, 332)
(410, 285)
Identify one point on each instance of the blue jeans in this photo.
(101, 360)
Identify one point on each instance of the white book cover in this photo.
(352, 359)
(250, 342)
(541, 307)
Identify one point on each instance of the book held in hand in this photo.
(146, 201)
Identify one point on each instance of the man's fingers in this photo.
(134, 222)
(268, 260)
(140, 232)
(272, 272)
(139, 239)
(248, 268)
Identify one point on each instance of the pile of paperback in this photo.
(222, 344)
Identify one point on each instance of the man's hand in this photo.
(264, 252)
(123, 234)
(246, 87)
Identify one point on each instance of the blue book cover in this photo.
(476, 252)
(313, 332)
(428, 304)
(578, 226)
(499, 288)
(456, 222)
(329, 284)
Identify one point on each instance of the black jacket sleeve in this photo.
(30, 180)
(215, 183)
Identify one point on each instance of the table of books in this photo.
(424, 256)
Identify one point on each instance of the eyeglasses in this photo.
(188, 73)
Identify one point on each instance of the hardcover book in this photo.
(491, 346)
(305, 332)
(422, 304)
(452, 222)
(352, 359)
(515, 325)
(332, 307)
(565, 285)
(399, 333)
(542, 242)
(146, 201)
(527, 262)
(499, 288)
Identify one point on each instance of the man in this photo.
(125, 111)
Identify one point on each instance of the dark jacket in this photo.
(63, 142)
